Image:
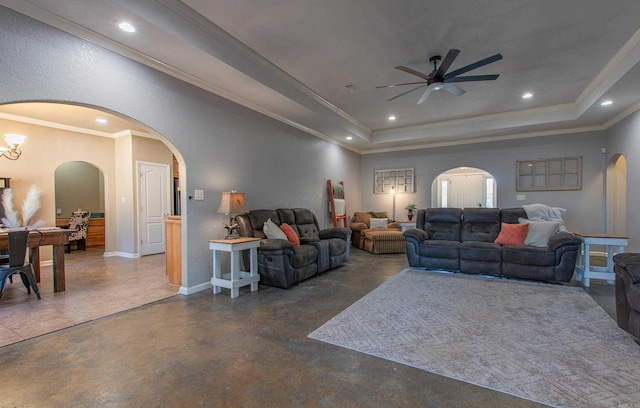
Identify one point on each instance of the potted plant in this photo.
(411, 207)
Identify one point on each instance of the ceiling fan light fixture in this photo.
(440, 78)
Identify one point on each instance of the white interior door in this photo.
(466, 191)
(154, 202)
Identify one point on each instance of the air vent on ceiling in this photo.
(351, 87)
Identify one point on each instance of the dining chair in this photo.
(79, 224)
(18, 244)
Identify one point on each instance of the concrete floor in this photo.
(213, 351)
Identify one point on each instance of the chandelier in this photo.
(12, 151)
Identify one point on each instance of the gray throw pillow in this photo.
(539, 231)
(272, 231)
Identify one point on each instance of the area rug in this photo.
(547, 343)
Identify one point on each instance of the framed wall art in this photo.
(562, 173)
(402, 180)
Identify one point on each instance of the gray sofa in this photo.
(627, 292)
(282, 264)
(460, 240)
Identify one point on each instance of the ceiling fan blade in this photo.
(473, 66)
(413, 72)
(426, 94)
(472, 78)
(404, 93)
(448, 60)
(406, 83)
(453, 89)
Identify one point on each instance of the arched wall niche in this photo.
(464, 187)
(616, 195)
(79, 186)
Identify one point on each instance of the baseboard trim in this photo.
(184, 290)
(122, 254)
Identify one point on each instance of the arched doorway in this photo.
(616, 193)
(79, 186)
(58, 133)
(464, 187)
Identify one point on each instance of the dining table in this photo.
(54, 236)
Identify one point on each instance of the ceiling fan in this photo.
(440, 79)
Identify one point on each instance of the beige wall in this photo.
(47, 148)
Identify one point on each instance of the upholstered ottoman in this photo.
(384, 241)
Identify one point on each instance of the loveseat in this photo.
(280, 262)
(385, 238)
(627, 292)
(463, 240)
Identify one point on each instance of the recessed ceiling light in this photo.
(527, 95)
(124, 26)
(392, 117)
(349, 137)
(101, 120)
(606, 103)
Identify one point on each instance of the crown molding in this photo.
(624, 59)
(486, 139)
(55, 125)
(496, 121)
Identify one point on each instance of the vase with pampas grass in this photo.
(30, 206)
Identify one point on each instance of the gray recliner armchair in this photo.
(627, 292)
(282, 264)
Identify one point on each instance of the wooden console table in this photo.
(237, 278)
(53, 236)
(585, 270)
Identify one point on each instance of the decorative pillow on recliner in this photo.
(291, 234)
(539, 231)
(512, 234)
(272, 231)
(378, 222)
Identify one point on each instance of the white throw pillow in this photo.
(272, 231)
(539, 231)
(378, 222)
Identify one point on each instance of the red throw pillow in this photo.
(293, 237)
(512, 234)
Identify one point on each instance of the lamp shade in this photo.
(232, 203)
(14, 140)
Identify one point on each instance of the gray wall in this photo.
(585, 207)
(222, 145)
(624, 138)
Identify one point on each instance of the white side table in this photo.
(406, 224)
(585, 270)
(236, 278)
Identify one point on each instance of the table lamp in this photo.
(232, 203)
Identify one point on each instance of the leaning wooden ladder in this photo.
(332, 205)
